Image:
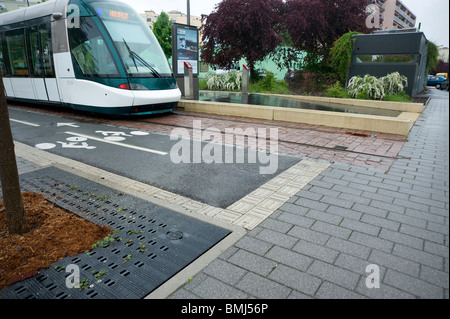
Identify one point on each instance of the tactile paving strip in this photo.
(155, 243)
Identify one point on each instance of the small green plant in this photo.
(60, 268)
(142, 247)
(73, 187)
(98, 275)
(129, 242)
(337, 91)
(104, 242)
(83, 284)
(103, 198)
(269, 85)
(134, 232)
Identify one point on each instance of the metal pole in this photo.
(188, 12)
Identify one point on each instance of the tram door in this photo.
(44, 80)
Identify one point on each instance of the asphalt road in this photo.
(146, 157)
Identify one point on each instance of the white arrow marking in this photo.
(67, 124)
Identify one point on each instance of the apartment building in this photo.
(395, 15)
(175, 16)
(443, 53)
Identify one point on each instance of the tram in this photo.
(92, 55)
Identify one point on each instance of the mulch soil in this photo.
(54, 233)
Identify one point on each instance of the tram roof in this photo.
(36, 11)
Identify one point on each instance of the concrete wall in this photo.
(400, 125)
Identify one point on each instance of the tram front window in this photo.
(138, 48)
(90, 50)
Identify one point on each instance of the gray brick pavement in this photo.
(320, 242)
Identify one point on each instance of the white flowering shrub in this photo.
(232, 80)
(229, 81)
(394, 83)
(370, 87)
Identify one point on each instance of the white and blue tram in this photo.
(92, 55)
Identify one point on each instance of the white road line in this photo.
(117, 143)
(26, 123)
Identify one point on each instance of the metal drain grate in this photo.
(156, 243)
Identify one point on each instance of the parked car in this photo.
(444, 85)
(434, 80)
(444, 75)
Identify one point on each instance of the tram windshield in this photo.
(137, 46)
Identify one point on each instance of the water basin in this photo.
(266, 100)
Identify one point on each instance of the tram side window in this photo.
(2, 57)
(41, 51)
(15, 42)
(36, 53)
(90, 50)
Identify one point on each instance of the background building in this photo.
(175, 16)
(443, 53)
(395, 15)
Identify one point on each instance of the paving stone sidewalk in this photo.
(320, 242)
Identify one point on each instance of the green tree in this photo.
(432, 56)
(162, 29)
(341, 56)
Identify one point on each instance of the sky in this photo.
(434, 14)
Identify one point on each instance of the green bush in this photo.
(337, 90)
(269, 85)
(341, 55)
(306, 82)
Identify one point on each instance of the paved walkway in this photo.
(319, 244)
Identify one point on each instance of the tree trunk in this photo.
(9, 176)
(254, 75)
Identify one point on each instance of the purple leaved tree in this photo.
(241, 29)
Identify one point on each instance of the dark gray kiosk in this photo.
(185, 57)
(384, 52)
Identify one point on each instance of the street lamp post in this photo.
(188, 12)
